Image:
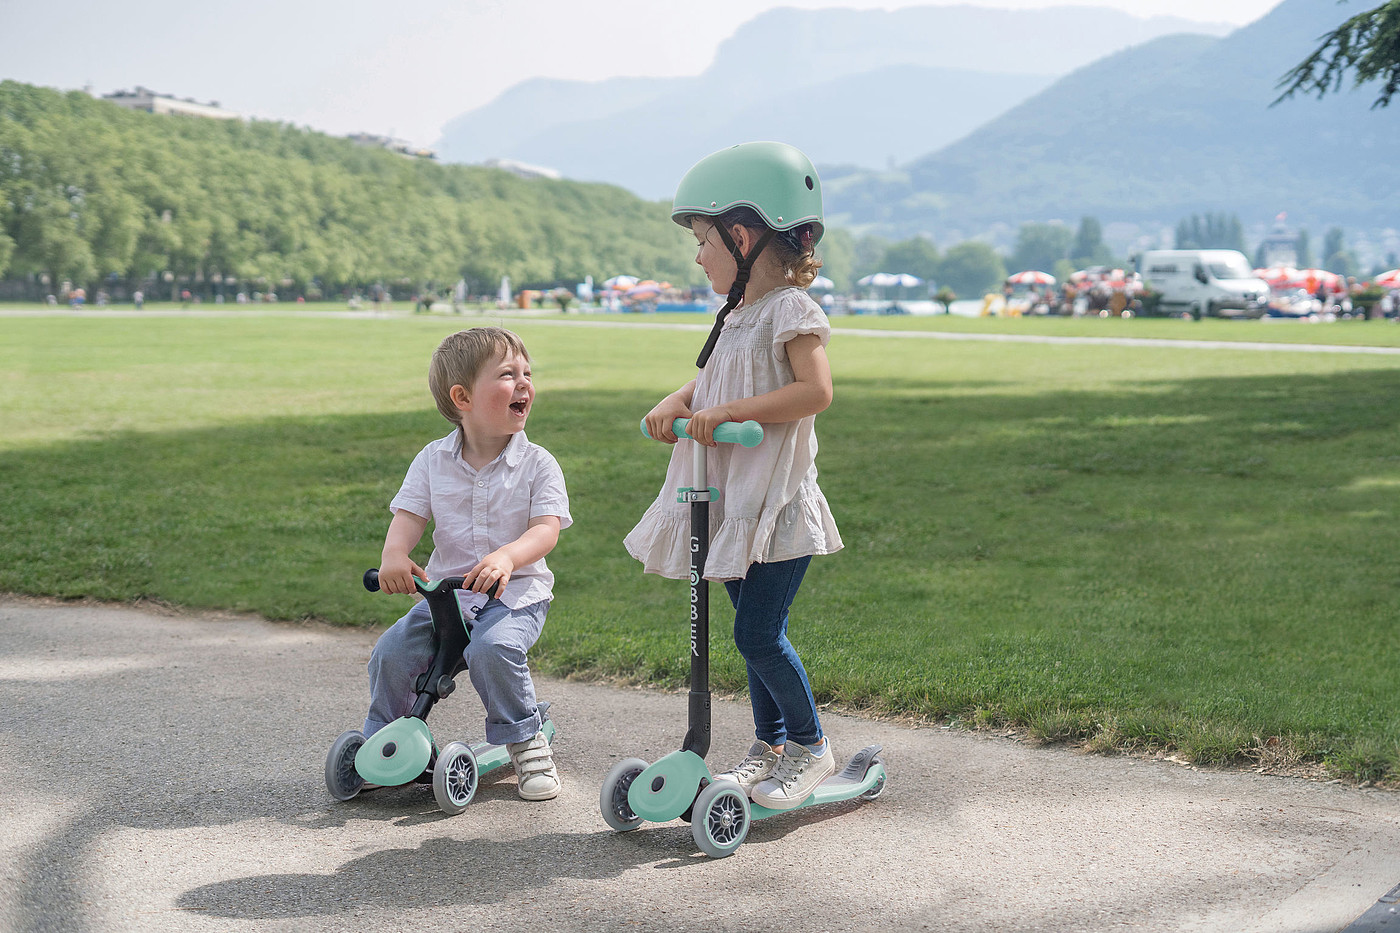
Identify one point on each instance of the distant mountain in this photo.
(849, 86)
(865, 119)
(1152, 134)
(520, 111)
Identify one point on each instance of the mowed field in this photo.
(1138, 547)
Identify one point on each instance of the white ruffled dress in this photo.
(770, 506)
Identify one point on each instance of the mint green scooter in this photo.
(679, 784)
(403, 751)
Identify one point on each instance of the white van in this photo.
(1204, 282)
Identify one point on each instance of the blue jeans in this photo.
(496, 660)
(783, 707)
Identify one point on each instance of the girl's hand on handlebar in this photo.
(492, 570)
(396, 575)
(703, 423)
(659, 420)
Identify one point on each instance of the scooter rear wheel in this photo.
(455, 777)
(342, 780)
(721, 819)
(876, 790)
(612, 800)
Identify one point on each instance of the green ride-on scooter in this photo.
(404, 752)
(680, 784)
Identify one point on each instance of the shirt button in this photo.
(481, 482)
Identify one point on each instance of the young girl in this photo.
(756, 213)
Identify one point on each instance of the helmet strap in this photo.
(736, 291)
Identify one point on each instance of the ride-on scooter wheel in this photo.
(612, 800)
(455, 777)
(720, 819)
(342, 780)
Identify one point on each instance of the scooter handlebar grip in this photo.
(743, 433)
(371, 581)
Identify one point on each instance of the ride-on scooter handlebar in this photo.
(371, 581)
(743, 433)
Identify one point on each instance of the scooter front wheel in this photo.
(342, 780)
(721, 819)
(455, 777)
(612, 800)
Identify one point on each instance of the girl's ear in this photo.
(743, 237)
(460, 398)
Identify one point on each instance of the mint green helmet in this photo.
(777, 180)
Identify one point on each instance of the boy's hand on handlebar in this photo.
(396, 574)
(703, 423)
(659, 420)
(492, 570)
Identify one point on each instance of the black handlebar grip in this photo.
(371, 581)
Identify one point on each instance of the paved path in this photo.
(1155, 342)
(163, 773)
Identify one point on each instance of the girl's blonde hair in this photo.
(793, 249)
(458, 360)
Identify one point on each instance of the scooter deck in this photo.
(862, 773)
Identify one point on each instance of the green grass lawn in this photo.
(1135, 547)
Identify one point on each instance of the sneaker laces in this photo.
(790, 767)
(750, 766)
(759, 759)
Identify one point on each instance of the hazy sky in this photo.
(403, 68)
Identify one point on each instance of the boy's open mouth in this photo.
(520, 406)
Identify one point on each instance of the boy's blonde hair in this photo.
(458, 361)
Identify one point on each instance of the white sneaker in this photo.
(757, 766)
(537, 778)
(797, 775)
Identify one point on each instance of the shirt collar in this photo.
(513, 453)
(515, 449)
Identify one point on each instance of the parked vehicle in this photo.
(1204, 283)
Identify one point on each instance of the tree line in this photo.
(974, 267)
(99, 196)
(94, 194)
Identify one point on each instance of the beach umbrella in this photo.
(823, 283)
(905, 280)
(1311, 279)
(644, 289)
(1277, 276)
(1389, 279)
(621, 282)
(1031, 277)
(878, 280)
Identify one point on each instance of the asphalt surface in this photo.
(164, 772)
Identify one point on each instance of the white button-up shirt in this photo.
(474, 512)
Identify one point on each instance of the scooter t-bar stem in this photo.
(743, 433)
(697, 737)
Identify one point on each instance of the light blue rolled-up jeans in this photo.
(496, 661)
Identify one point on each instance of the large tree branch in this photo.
(1368, 43)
